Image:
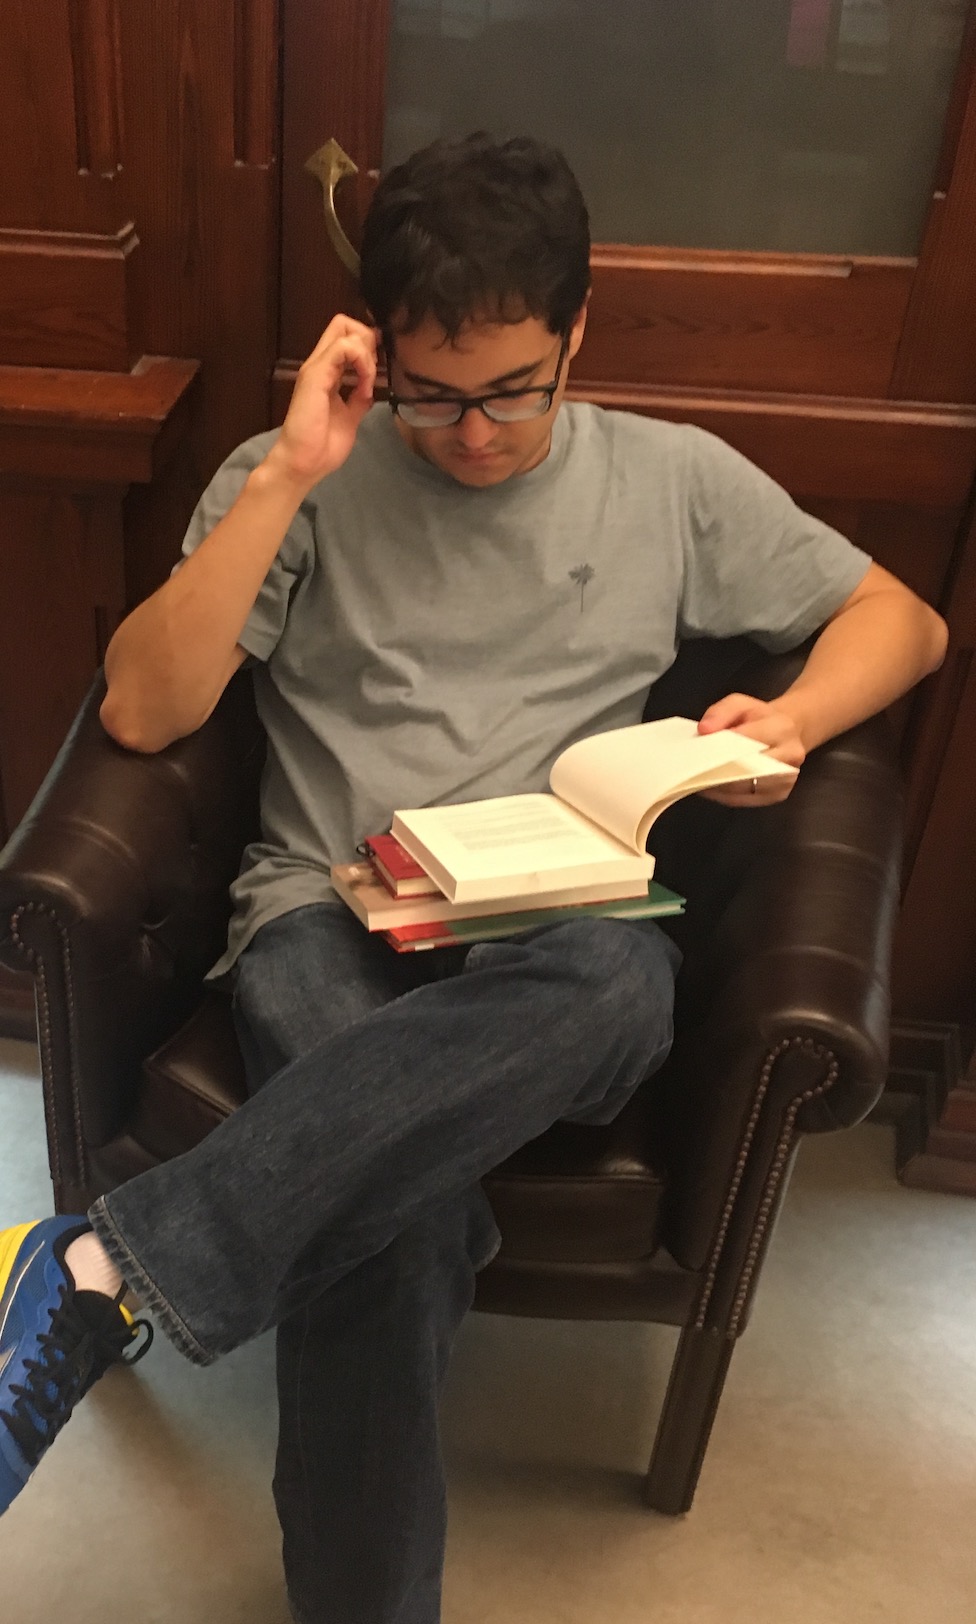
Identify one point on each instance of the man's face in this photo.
(485, 358)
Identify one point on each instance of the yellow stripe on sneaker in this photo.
(11, 1241)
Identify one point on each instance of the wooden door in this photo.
(836, 349)
(849, 376)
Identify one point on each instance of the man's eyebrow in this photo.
(493, 383)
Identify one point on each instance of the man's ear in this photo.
(578, 329)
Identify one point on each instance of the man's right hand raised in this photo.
(320, 428)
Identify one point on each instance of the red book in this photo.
(400, 873)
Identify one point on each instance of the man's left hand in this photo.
(770, 724)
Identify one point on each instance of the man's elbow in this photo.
(936, 640)
(128, 729)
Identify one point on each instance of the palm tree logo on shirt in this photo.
(582, 575)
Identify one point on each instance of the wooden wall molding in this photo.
(941, 826)
(897, 452)
(93, 428)
(931, 1099)
(62, 579)
(96, 69)
(743, 261)
(255, 82)
(65, 299)
(825, 326)
(847, 450)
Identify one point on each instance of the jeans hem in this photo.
(144, 1287)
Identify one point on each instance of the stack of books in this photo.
(446, 875)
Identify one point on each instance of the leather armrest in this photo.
(783, 1006)
(113, 893)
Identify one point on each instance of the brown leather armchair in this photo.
(113, 892)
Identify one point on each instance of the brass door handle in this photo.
(332, 165)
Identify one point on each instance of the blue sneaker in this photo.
(55, 1341)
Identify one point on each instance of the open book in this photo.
(606, 792)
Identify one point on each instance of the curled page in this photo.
(624, 779)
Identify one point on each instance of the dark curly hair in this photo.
(477, 230)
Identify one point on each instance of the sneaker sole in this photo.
(11, 1241)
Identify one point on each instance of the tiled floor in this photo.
(839, 1488)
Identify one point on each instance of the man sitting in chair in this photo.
(435, 596)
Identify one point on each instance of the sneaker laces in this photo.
(74, 1352)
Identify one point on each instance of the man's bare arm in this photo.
(171, 659)
(880, 642)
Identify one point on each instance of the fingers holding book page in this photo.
(769, 724)
(606, 792)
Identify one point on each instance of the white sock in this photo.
(91, 1267)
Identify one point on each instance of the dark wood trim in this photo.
(343, 95)
(937, 354)
(857, 450)
(256, 25)
(817, 325)
(822, 447)
(96, 68)
(931, 1098)
(958, 99)
(102, 428)
(64, 299)
(935, 967)
(744, 262)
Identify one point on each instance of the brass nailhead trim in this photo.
(39, 971)
(772, 1183)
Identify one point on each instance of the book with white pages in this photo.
(606, 791)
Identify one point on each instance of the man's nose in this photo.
(475, 431)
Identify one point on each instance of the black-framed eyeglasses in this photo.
(503, 406)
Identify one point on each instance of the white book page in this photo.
(511, 843)
(623, 778)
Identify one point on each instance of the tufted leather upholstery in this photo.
(113, 891)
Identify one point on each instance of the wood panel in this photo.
(941, 885)
(860, 450)
(799, 323)
(64, 299)
(937, 354)
(184, 97)
(41, 187)
(93, 428)
(96, 63)
(255, 83)
(63, 586)
(342, 96)
(916, 544)
(828, 449)
(201, 174)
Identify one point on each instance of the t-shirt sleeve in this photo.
(755, 564)
(265, 623)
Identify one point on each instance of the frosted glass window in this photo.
(767, 124)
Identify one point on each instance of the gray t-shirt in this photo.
(418, 641)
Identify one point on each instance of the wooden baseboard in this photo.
(17, 1006)
(931, 1100)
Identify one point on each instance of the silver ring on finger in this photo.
(754, 786)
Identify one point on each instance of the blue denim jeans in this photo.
(342, 1204)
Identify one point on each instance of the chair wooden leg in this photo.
(694, 1390)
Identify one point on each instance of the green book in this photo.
(658, 902)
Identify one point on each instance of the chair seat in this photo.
(577, 1194)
